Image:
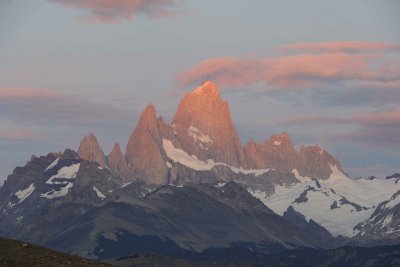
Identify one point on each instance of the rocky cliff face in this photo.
(276, 153)
(89, 149)
(144, 149)
(204, 127)
(117, 162)
(313, 161)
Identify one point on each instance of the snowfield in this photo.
(338, 203)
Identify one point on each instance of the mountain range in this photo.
(190, 185)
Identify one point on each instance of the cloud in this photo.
(34, 106)
(377, 170)
(300, 71)
(27, 92)
(115, 11)
(18, 135)
(377, 128)
(346, 47)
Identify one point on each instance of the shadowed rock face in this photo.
(89, 149)
(144, 149)
(204, 127)
(117, 162)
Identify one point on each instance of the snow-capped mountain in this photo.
(202, 136)
(86, 200)
(339, 203)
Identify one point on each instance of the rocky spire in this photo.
(144, 149)
(117, 162)
(204, 127)
(89, 149)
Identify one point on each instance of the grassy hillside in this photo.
(16, 253)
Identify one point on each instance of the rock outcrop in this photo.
(90, 150)
(276, 153)
(117, 162)
(313, 161)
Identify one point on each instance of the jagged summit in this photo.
(204, 127)
(208, 89)
(144, 153)
(117, 162)
(89, 149)
(277, 152)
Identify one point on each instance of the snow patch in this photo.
(191, 161)
(100, 167)
(110, 236)
(126, 184)
(277, 143)
(299, 177)
(220, 184)
(174, 129)
(393, 202)
(387, 220)
(58, 193)
(68, 172)
(197, 135)
(24, 194)
(169, 165)
(99, 193)
(54, 163)
(19, 219)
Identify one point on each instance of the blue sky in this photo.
(65, 71)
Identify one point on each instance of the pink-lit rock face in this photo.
(89, 149)
(313, 161)
(117, 162)
(144, 149)
(276, 153)
(204, 127)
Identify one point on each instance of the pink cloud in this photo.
(27, 92)
(18, 135)
(115, 11)
(347, 47)
(380, 118)
(293, 71)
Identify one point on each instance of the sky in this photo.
(326, 72)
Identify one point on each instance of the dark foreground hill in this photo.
(16, 253)
(306, 257)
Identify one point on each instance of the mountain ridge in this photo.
(202, 127)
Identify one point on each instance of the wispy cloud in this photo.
(379, 128)
(323, 63)
(346, 47)
(27, 92)
(18, 135)
(115, 11)
(33, 106)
